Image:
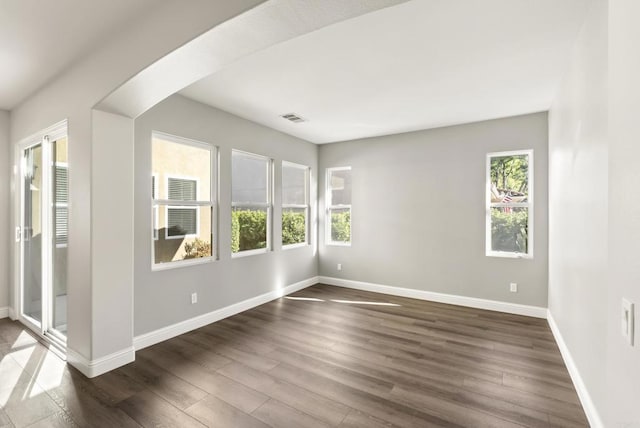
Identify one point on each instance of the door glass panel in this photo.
(32, 234)
(59, 239)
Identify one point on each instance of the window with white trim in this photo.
(338, 215)
(184, 200)
(251, 203)
(295, 204)
(509, 204)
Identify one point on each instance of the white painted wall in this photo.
(623, 361)
(5, 179)
(578, 205)
(162, 298)
(418, 211)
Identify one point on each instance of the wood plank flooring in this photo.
(322, 357)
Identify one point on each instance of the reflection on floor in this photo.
(29, 373)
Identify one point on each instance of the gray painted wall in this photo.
(162, 298)
(72, 95)
(623, 371)
(418, 211)
(5, 176)
(578, 205)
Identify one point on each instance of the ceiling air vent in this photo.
(292, 117)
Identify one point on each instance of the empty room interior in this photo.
(319, 213)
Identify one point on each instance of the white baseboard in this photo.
(12, 314)
(93, 368)
(4, 312)
(585, 398)
(452, 299)
(165, 333)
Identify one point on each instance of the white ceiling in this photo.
(417, 65)
(40, 38)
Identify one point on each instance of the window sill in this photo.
(181, 263)
(294, 246)
(338, 244)
(247, 253)
(506, 255)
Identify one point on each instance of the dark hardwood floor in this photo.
(322, 357)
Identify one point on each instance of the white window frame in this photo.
(306, 206)
(268, 205)
(331, 207)
(529, 205)
(57, 204)
(212, 203)
(175, 205)
(154, 208)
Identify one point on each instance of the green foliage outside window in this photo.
(341, 226)
(509, 230)
(294, 230)
(510, 173)
(248, 230)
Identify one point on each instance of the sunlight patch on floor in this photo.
(10, 373)
(50, 372)
(309, 299)
(360, 302)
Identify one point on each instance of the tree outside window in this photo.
(509, 204)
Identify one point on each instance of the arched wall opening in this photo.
(155, 58)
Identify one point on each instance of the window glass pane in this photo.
(294, 226)
(248, 229)
(249, 179)
(182, 233)
(294, 188)
(340, 225)
(509, 229)
(509, 178)
(61, 231)
(340, 187)
(178, 167)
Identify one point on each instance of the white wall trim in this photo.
(452, 299)
(12, 314)
(165, 333)
(583, 393)
(93, 368)
(4, 312)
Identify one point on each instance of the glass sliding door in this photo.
(58, 243)
(32, 275)
(43, 234)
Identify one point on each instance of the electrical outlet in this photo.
(339, 266)
(194, 298)
(513, 287)
(627, 320)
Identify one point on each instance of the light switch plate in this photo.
(627, 320)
